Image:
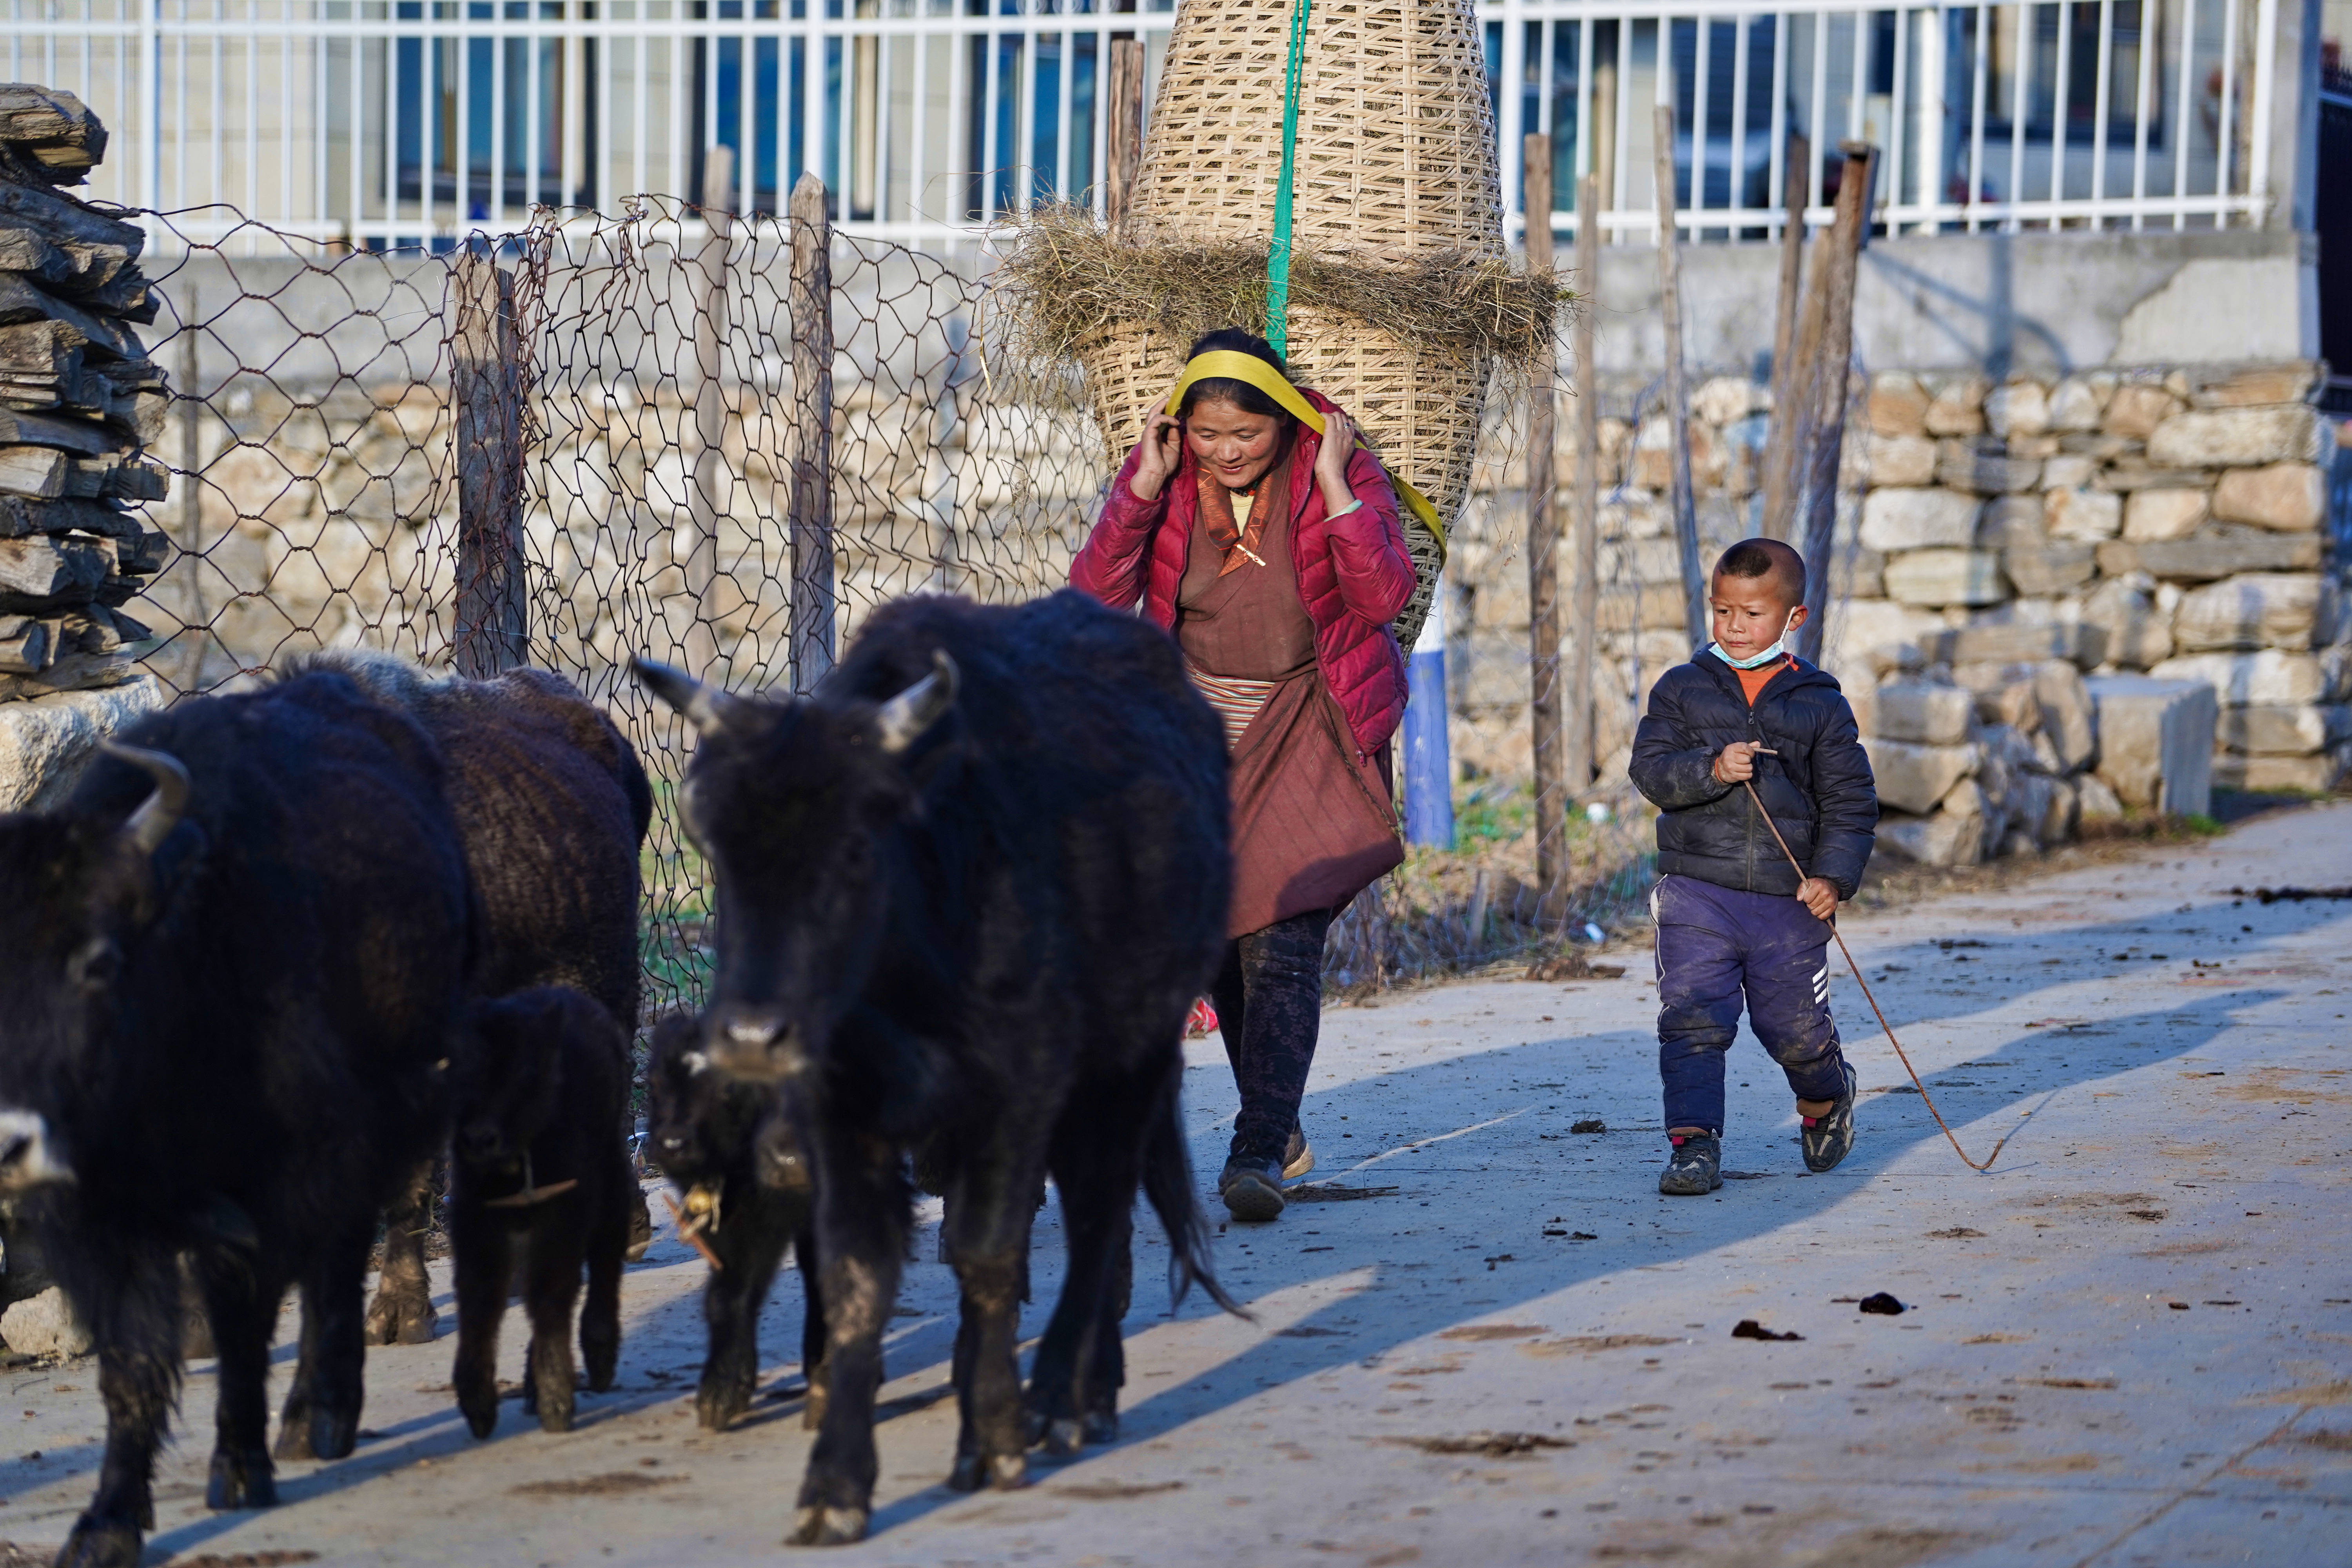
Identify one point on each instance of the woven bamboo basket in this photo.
(1395, 156)
(1393, 167)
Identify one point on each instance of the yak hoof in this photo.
(294, 1439)
(1065, 1437)
(1006, 1471)
(555, 1412)
(334, 1433)
(1102, 1425)
(641, 1232)
(100, 1543)
(479, 1405)
(401, 1319)
(719, 1402)
(240, 1480)
(965, 1477)
(828, 1526)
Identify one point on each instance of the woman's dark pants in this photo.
(1269, 1001)
(1716, 945)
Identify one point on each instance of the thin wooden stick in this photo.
(1543, 558)
(1787, 420)
(1670, 303)
(1585, 626)
(1836, 273)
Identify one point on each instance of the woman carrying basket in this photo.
(1274, 554)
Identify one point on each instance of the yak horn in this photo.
(903, 718)
(706, 707)
(161, 811)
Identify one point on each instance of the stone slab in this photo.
(2233, 437)
(2290, 730)
(2293, 610)
(45, 742)
(1915, 778)
(2156, 742)
(1945, 577)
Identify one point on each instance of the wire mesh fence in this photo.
(638, 399)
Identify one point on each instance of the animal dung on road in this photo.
(1883, 1305)
(1331, 1193)
(1749, 1329)
(1486, 1445)
(1573, 966)
(1589, 1124)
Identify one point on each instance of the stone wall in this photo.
(1998, 543)
(326, 516)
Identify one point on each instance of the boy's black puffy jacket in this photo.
(1818, 789)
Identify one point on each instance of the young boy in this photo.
(1733, 916)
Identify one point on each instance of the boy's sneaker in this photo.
(1696, 1168)
(1829, 1139)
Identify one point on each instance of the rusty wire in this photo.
(315, 503)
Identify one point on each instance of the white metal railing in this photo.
(396, 122)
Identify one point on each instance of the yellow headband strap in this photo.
(1232, 364)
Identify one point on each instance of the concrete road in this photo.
(2131, 1343)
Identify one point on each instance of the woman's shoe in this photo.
(1299, 1158)
(1252, 1189)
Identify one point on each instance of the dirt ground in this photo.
(1482, 1337)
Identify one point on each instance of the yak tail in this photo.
(1168, 1183)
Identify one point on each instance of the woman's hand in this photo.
(1339, 442)
(1156, 457)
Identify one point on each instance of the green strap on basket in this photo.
(1277, 255)
(1430, 559)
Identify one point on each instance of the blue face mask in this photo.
(1756, 661)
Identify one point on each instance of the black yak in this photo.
(237, 958)
(538, 1086)
(747, 1197)
(554, 805)
(965, 897)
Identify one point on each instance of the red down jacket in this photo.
(1353, 573)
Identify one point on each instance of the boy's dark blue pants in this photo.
(1716, 945)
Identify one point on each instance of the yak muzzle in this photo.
(756, 1044)
(28, 1154)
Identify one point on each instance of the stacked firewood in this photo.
(80, 403)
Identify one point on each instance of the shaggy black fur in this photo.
(717, 1134)
(537, 1087)
(979, 925)
(231, 1047)
(553, 805)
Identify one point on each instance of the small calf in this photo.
(747, 1195)
(539, 1086)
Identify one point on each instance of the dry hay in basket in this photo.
(1066, 280)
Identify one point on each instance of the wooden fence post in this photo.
(711, 479)
(1581, 762)
(1780, 448)
(1543, 553)
(1123, 155)
(811, 518)
(492, 632)
(1677, 394)
(191, 503)
(1835, 271)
